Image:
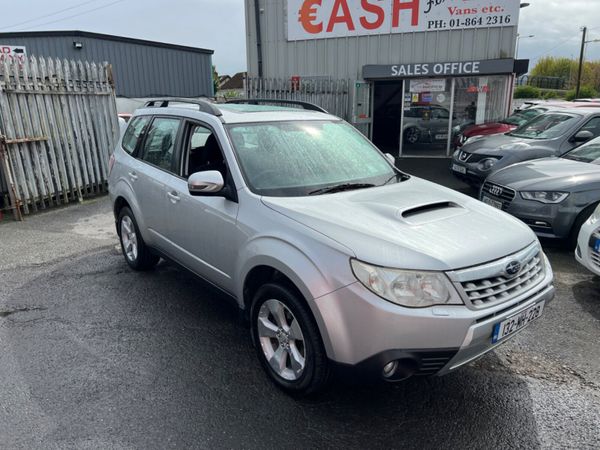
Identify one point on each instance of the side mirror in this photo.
(208, 182)
(390, 158)
(583, 136)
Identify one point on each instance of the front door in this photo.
(203, 229)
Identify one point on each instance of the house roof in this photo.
(236, 82)
(106, 37)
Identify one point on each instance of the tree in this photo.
(215, 80)
(566, 68)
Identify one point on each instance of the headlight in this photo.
(514, 146)
(407, 287)
(487, 163)
(595, 217)
(472, 139)
(545, 196)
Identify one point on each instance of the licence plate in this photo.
(439, 137)
(596, 246)
(459, 169)
(491, 202)
(517, 322)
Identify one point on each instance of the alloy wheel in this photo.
(129, 238)
(281, 340)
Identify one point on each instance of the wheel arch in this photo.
(281, 262)
(124, 197)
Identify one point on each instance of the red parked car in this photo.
(515, 120)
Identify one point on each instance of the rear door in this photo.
(157, 163)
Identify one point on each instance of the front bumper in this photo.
(546, 220)
(584, 254)
(364, 332)
(472, 175)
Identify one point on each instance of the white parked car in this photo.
(588, 243)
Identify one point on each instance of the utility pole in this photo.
(581, 55)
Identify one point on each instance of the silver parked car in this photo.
(550, 134)
(554, 196)
(339, 260)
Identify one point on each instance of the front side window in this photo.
(203, 152)
(593, 126)
(133, 133)
(589, 153)
(546, 126)
(304, 157)
(159, 145)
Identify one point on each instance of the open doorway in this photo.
(387, 117)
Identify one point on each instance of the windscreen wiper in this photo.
(340, 188)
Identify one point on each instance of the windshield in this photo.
(589, 153)
(546, 126)
(521, 117)
(299, 158)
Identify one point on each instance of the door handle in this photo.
(133, 176)
(173, 197)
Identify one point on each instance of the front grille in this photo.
(486, 292)
(500, 193)
(594, 255)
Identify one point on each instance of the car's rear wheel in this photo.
(412, 135)
(287, 340)
(137, 254)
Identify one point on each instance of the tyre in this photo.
(412, 135)
(287, 341)
(581, 219)
(137, 254)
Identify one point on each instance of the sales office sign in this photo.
(321, 19)
(444, 69)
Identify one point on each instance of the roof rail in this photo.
(268, 101)
(204, 106)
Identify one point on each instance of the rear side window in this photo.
(133, 133)
(159, 146)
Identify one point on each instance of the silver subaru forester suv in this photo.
(340, 261)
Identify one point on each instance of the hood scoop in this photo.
(431, 212)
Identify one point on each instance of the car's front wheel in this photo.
(136, 252)
(287, 340)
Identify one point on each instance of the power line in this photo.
(78, 14)
(555, 47)
(48, 15)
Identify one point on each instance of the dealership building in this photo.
(411, 74)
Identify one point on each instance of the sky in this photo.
(220, 24)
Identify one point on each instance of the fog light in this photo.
(539, 223)
(390, 368)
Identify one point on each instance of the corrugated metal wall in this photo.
(138, 70)
(341, 58)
